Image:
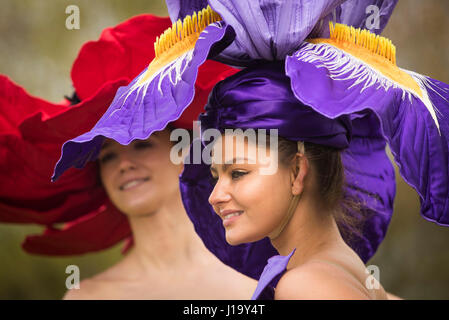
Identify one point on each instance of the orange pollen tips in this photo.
(184, 34)
(363, 38)
(178, 39)
(376, 51)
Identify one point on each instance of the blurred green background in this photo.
(37, 51)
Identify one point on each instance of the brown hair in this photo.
(330, 179)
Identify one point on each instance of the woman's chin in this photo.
(140, 214)
(232, 242)
(137, 209)
(235, 239)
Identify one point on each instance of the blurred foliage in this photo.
(37, 51)
(414, 257)
(25, 276)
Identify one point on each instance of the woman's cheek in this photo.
(247, 192)
(254, 196)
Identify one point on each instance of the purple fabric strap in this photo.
(271, 274)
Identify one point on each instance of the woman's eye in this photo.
(143, 145)
(107, 157)
(237, 174)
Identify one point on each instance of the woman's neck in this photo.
(311, 231)
(166, 239)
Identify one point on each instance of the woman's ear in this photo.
(299, 171)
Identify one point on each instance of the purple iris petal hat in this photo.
(260, 97)
(241, 33)
(345, 73)
(354, 73)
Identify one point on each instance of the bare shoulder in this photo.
(96, 287)
(391, 296)
(225, 282)
(89, 289)
(317, 281)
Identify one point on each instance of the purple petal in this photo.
(179, 9)
(370, 178)
(275, 267)
(270, 29)
(140, 109)
(366, 14)
(334, 83)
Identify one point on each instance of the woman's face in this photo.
(252, 205)
(139, 178)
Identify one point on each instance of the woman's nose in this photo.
(219, 195)
(126, 164)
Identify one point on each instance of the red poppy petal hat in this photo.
(32, 132)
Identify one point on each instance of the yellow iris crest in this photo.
(178, 39)
(376, 51)
(380, 55)
(363, 38)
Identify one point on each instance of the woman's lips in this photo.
(230, 217)
(133, 184)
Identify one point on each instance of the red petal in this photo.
(97, 231)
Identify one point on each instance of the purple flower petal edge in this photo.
(275, 267)
(366, 14)
(179, 9)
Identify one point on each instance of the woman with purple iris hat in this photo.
(336, 98)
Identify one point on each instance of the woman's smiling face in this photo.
(252, 205)
(139, 178)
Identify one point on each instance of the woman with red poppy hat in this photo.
(131, 192)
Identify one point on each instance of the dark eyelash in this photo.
(107, 157)
(235, 174)
(143, 145)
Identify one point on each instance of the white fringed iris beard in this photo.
(369, 61)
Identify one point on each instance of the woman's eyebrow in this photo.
(228, 163)
(215, 170)
(236, 160)
(105, 145)
(156, 135)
